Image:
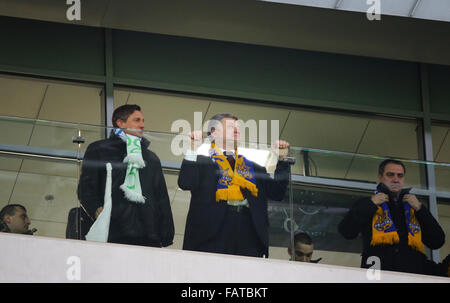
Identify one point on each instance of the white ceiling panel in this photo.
(48, 228)
(161, 110)
(7, 180)
(439, 134)
(21, 97)
(442, 178)
(180, 208)
(390, 138)
(31, 191)
(58, 136)
(120, 97)
(15, 132)
(72, 103)
(50, 168)
(444, 151)
(10, 164)
(329, 165)
(444, 211)
(324, 131)
(366, 169)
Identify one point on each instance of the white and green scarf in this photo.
(132, 186)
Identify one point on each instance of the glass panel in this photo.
(44, 187)
(351, 166)
(441, 150)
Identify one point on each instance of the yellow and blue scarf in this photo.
(385, 232)
(232, 180)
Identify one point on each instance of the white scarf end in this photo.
(132, 196)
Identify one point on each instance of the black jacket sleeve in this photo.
(167, 229)
(357, 218)
(91, 186)
(432, 234)
(189, 177)
(276, 187)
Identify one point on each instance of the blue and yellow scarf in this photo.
(232, 180)
(385, 232)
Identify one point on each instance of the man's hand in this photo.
(98, 211)
(413, 201)
(282, 149)
(379, 198)
(196, 139)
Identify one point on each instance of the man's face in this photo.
(228, 131)
(19, 222)
(303, 252)
(393, 177)
(134, 124)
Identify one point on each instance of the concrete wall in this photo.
(40, 259)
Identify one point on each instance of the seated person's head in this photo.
(15, 217)
(303, 248)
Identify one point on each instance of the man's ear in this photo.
(120, 123)
(7, 219)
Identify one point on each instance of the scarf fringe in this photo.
(135, 159)
(233, 192)
(389, 238)
(131, 195)
(416, 243)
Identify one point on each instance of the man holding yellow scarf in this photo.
(229, 193)
(394, 224)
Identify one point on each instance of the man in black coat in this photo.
(394, 224)
(149, 223)
(237, 226)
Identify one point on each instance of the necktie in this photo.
(230, 159)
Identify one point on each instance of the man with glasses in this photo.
(394, 224)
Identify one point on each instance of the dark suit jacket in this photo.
(151, 221)
(206, 216)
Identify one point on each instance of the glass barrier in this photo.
(309, 192)
(44, 187)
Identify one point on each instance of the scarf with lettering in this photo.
(384, 230)
(231, 180)
(132, 185)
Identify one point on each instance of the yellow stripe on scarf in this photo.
(384, 231)
(232, 179)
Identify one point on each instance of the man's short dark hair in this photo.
(383, 164)
(10, 210)
(218, 118)
(303, 238)
(123, 112)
